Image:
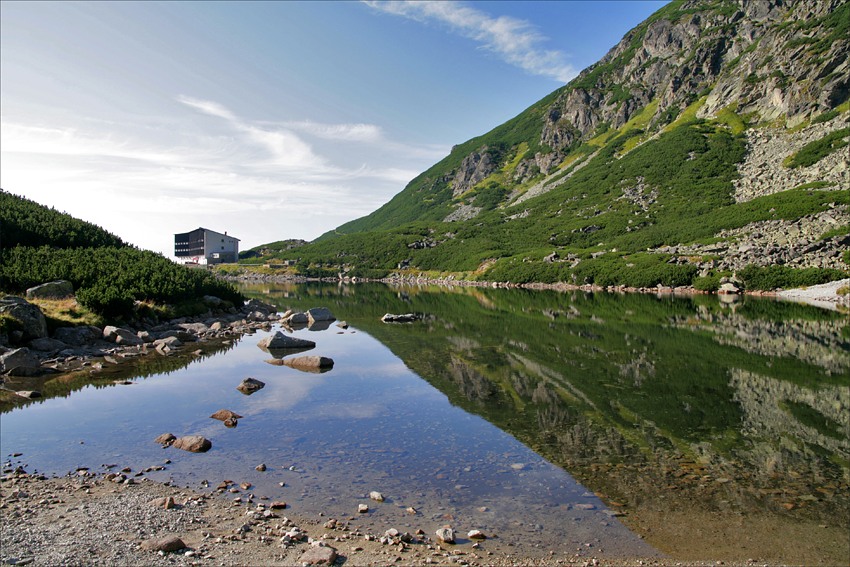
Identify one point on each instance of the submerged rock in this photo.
(193, 444)
(165, 439)
(250, 385)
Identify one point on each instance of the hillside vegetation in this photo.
(711, 141)
(111, 278)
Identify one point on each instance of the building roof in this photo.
(208, 230)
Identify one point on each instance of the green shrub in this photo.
(814, 151)
(785, 277)
(707, 283)
(107, 300)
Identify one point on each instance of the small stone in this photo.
(376, 496)
(165, 543)
(166, 502)
(261, 467)
(225, 414)
(446, 535)
(476, 534)
(362, 508)
(319, 556)
(193, 444)
(277, 505)
(165, 439)
(250, 385)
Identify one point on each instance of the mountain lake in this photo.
(626, 425)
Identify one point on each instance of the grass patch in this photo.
(815, 151)
(66, 313)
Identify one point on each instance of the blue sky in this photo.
(268, 120)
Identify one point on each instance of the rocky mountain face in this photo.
(758, 89)
(753, 57)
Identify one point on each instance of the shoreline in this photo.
(824, 296)
(87, 519)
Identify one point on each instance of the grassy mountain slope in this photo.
(40, 244)
(710, 139)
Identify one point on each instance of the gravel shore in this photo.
(824, 295)
(89, 520)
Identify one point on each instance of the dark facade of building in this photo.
(204, 246)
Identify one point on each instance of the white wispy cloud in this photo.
(262, 180)
(342, 132)
(284, 147)
(516, 41)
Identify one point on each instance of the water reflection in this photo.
(721, 417)
(651, 402)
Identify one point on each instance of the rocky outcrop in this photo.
(474, 169)
(756, 60)
(796, 243)
(19, 362)
(30, 320)
(59, 289)
(763, 173)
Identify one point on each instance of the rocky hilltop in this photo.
(731, 117)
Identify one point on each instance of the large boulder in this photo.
(121, 336)
(280, 341)
(320, 314)
(19, 362)
(295, 319)
(257, 305)
(59, 289)
(47, 345)
(29, 316)
(78, 336)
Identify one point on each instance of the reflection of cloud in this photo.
(514, 40)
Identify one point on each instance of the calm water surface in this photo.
(484, 413)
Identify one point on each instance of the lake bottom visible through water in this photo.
(370, 424)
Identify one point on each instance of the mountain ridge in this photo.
(724, 78)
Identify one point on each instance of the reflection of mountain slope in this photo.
(814, 342)
(631, 394)
(762, 400)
